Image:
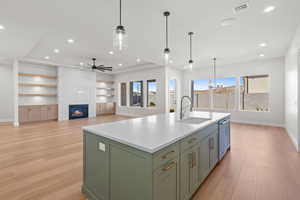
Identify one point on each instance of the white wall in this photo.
(157, 73)
(6, 93)
(292, 65)
(273, 67)
(171, 74)
(75, 87)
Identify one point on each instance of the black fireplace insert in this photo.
(78, 111)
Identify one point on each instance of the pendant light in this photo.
(215, 72)
(120, 36)
(167, 50)
(191, 62)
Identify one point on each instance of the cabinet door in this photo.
(52, 112)
(166, 182)
(96, 166)
(214, 150)
(34, 113)
(185, 171)
(44, 112)
(203, 160)
(23, 114)
(194, 171)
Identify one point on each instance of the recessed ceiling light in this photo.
(171, 61)
(138, 60)
(261, 55)
(71, 41)
(56, 50)
(263, 44)
(47, 57)
(81, 64)
(120, 64)
(228, 21)
(269, 9)
(2, 28)
(111, 53)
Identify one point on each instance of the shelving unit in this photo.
(38, 75)
(37, 93)
(37, 85)
(41, 95)
(105, 97)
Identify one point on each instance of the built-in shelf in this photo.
(41, 95)
(105, 95)
(37, 85)
(101, 81)
(101, 88)
(38, 75)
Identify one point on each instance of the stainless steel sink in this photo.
(194, 120)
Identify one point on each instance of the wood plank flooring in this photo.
(43, 161)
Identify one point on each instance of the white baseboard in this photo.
(6, 120)
(294, 140)
(258, 123)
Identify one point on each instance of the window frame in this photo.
(131, 94)
(151, 81)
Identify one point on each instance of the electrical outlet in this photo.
(101, 146)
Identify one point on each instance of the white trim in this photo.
(294, 140)
(258, 123)
(6, 120)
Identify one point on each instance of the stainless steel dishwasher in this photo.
(224, 137)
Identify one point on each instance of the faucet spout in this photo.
(181, 106)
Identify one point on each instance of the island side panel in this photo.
(96, 168)
(131, 174)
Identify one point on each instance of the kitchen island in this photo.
(153, 158)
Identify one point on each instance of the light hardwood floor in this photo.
(43, 161)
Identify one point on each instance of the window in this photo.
(254, 93)
(123, 95)
(151, 93)
(200, 93)
(136, 93)
(224, 93)
(172, 95)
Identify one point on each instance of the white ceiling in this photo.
(34, 28)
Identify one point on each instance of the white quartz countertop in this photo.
(152, 133)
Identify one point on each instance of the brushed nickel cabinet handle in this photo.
(167, 154)
(170, 166)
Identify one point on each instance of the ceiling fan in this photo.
(101, 68)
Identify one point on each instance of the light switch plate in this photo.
(101, 146)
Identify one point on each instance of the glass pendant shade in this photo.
(167, 55)
(120, 38)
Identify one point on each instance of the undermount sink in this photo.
(194, 120)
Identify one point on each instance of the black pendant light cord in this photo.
(167, 33)
(191, 46)
(120, 12)
(215, 71)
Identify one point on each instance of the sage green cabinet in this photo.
(166, 181)
(203, 153)
(114, 171)
(214, 150)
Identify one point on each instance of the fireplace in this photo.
(78, 111)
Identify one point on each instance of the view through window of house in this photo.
(151, 93)
(200, 93)
(172, 95)
(254, 93)
(123, 94)
(136, 93)
(224, 93)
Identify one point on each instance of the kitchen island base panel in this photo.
(127, 173)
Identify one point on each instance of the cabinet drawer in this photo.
(208, 131)
(163, 156)
(189, 142)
